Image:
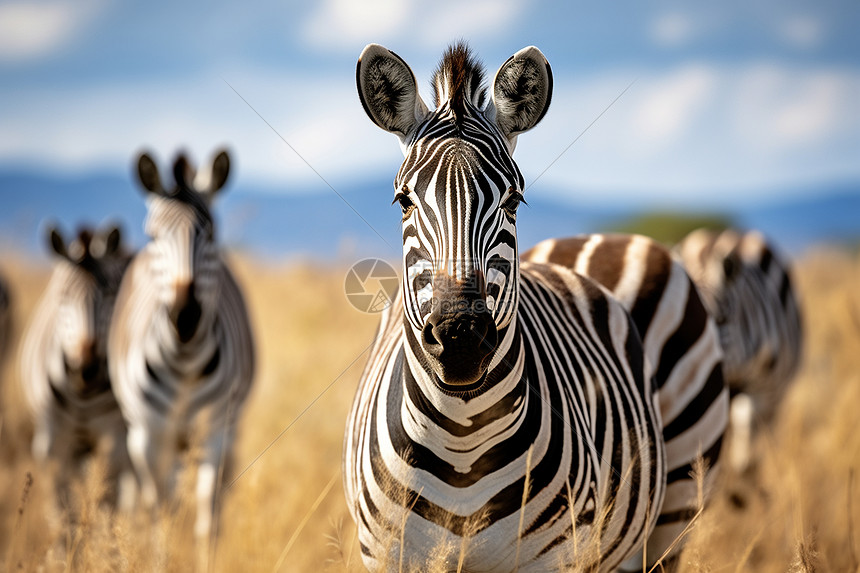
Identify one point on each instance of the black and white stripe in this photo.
(682, 347)
(63, 359)
(181, 351)
(747, 287)
(486, 372)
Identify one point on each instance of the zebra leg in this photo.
(121, 473)
(209, 479)
(54, 447)
(52, 444)
(740, 452)
(210, 476)
(127, 488)
(143, 452)
(43, 440)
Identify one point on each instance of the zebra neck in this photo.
(450, 418)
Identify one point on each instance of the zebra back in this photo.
(682, 347)
(747, 287)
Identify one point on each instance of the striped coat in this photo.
(682, 347)
(569, 405)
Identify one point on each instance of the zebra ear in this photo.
(112, 240)
(220, 172)
(56, 242)
(147, 171)
(521, 93)
(388, 91)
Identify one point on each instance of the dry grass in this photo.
(799, 514)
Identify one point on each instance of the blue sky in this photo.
(732, 102)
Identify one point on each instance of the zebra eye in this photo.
(513, 201)
(406, 204)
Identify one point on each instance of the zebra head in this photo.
(185, 257)
(88, 274)
(458, 191)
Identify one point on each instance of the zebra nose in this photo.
(460, 344)
(465, 330)
(186, 311)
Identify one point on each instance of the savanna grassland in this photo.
(285, 510)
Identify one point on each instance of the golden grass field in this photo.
(287, 512)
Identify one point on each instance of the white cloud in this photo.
(696, 133)
(801, 31)
(103, 126)
(778, 111)
(669, 106)
(30, 30)
(672, 29)
(343, 24)
(699, 133)
(347, 21)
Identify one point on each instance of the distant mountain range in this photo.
(322, 226)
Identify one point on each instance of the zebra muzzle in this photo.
(185, 313)
(460, 345)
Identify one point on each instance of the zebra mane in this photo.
(85, 252)
(186, 191)
(183, 173)
(458, 79)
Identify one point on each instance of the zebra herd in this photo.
(563, 407)
(142, 356)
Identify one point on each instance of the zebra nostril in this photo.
(431, 342)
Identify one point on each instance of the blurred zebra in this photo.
(6, 323)
(63, 360)
(747, 287)
(181, 351)
(681, 344)
(504, 420)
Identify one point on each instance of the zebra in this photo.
(504, 420)
(682, 345)
(181, 348)
(63, 361)
(747, 286)
(6, 319)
